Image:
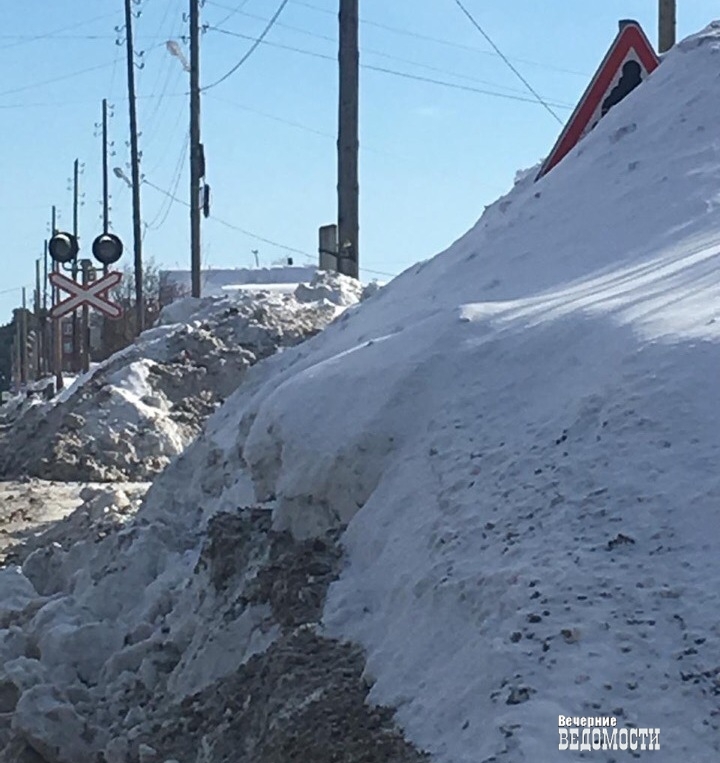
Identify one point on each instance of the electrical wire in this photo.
(253, 47)
(274, 117)
(509, 63)
(382, 54)
(249, 234)
(58, 79)
(14, 289)
(439, 40)
(164, 210)
(225, 223)
(239, 8)
(393, 72)
(56, 32)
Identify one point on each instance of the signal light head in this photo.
(63, 247)
(107, 248)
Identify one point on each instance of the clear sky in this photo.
(432, 155)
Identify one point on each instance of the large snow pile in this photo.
(488, 496)
(128, 417)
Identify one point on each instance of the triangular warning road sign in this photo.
(629, 61)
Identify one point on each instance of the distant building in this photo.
(215, 283)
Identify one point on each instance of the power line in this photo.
(233, 11)
(393, 72)
(69, 27)
(382, 54)
(58, 79)
(164, 210)
(79, 102)
(439, 40)
(255, 236)
(253, 47)
(506, 60)
(274, 117)
(220, 221)
(14, 289)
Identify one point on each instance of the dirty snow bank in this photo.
(130, 416)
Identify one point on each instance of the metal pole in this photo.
(135, 167)
(348, 118)
(667, 24)
(195, 148)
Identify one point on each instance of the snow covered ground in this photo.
(497, 476)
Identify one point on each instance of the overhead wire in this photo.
(233, 11)
(55, 32)
(509, 63)
(393, 72)
(53, 80)
(253, 47)
(227, 224)
(370, 51)
(438, 40)
(164, 210)
(255, 236)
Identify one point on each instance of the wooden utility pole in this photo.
(76, 204)
(87, 273)
(17, 348)
(667, 24)
(106, 193)
(24, 340)
(45, 275)
(57, 342)
(196, 169)
(44, 325)
(348, 186)
(135, 171)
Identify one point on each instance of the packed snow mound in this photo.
(497, 477)
(129, 416)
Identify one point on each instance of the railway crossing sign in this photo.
(93, 295)
(630, 60)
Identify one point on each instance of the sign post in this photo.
(64, 248)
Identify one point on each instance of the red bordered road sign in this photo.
(93, 295)
(629, 61)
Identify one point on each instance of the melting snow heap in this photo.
(486, 497)
(132, 414)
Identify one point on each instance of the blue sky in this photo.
(432, 155)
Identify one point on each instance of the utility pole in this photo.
(667, 24)
(57, 324)
(37, 320)
(135, 171)
(106, 193)
(45, 275)
(196, 169)
(44, 327)
(24, 340)
(348, 186)
(76, 203)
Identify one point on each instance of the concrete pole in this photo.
(667, 24)
(348, 140)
